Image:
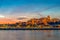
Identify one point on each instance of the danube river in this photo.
(29, 35)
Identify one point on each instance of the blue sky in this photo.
(29, 8)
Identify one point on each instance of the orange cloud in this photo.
(7, 21)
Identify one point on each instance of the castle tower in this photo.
(48, 18)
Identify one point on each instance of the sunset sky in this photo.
(15, 10)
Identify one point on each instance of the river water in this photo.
(29, 35)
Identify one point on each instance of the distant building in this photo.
(48, 18)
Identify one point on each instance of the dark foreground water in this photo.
(29, 35)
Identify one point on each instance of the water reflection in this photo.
(30, 35)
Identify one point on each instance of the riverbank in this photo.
(29, 28)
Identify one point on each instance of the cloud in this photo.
(21, 18)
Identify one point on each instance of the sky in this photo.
(26, 9)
